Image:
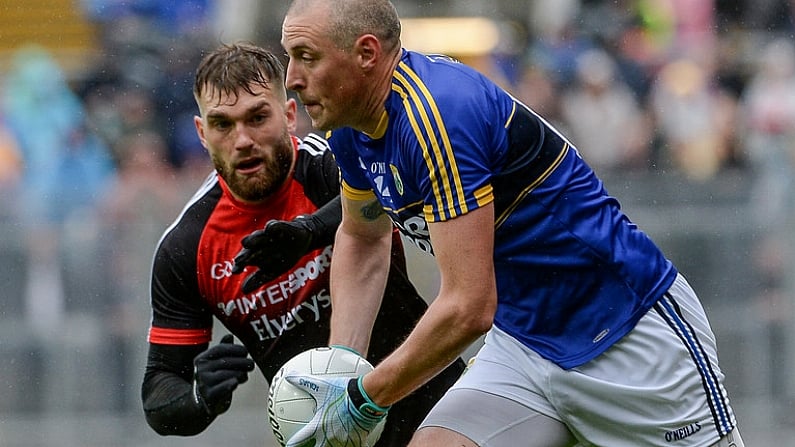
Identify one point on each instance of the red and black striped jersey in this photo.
(192, 281)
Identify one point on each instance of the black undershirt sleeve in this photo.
(324, 223)
(317, 171)
(167, 391)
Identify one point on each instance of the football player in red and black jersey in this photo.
(263, 174)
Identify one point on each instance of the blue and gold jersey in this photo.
(574, 274)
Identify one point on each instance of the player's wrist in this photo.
(323, 223)
(347, 348)
(198, 399)
(363, 403)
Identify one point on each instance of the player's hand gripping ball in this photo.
(291, 407)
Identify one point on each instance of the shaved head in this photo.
(349, 19)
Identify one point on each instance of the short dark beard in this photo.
(265, 183)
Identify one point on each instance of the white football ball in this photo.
(290, 408)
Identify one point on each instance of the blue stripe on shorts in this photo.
(671, 312)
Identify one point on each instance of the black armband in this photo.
(362, 402)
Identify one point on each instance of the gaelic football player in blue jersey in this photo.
(592, 335)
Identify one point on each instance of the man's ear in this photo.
(199, 123)
(291, 114)
(368, 49)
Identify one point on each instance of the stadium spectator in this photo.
(36, 91)
(10, 161)
(592, 335)
(768, 125)
(604, 118)
(143, 199)
(263, 174)
(538, 88)
(66, 169)
(695, 117)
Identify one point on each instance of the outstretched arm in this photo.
(278, 246)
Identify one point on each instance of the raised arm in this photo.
(279, 246)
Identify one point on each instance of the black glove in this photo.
(217, 372)
(273, 249)
(278, 246)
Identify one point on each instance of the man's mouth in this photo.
(311, 107)
(249, 166)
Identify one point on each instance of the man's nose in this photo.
(293, 79)
(243, 138)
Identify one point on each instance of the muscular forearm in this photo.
(438, 339)
(359, 270)
(169, 405)
(463, 310)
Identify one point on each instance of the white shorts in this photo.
(660, 385)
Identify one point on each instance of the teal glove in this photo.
(345, 415)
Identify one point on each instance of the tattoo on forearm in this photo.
(372, 210)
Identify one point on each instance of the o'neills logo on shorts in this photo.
(682, 433)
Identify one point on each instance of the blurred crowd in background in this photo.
(96, 162)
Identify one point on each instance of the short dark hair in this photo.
(232, 67)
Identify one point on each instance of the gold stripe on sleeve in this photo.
(356, 194)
